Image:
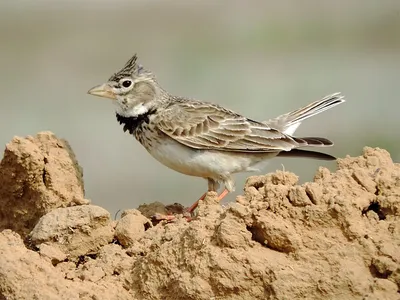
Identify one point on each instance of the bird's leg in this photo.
(170, 218)
(212, 187)
(229, 187)
(194, 205)
(161, 217)
(223, 194)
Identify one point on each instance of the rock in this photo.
(131, 227)
(338, 236)
(317, 249)
(232, 232)
(76, 230)
(275, 233)
(37, 175)
(149, 210)
(24, 274)
(383, 289)
(384, 266)
(54, 254)
(298, 196)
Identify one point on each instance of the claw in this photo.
(157, 218)
(160, 217)
(188, 212)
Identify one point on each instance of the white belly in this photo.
(200, 163)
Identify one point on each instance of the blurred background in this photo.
(259, 58)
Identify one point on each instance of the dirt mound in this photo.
(335, 238)
(37, 175)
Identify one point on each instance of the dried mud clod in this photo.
(335, 237)
(37, 175)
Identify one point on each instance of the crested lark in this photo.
(204, 139)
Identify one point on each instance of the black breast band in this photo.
(132, 123)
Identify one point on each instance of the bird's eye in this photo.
(126, 83)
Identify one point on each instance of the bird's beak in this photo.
(102, 90)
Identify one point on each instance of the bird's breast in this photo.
(194, 162)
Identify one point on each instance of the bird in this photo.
(204, 139)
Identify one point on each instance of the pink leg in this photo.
(223, 194)
(161, 217)
(212, 186)
(220, 197)
(194, 205)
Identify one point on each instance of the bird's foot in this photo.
(160, 217)
(157, 218)
(192, 208)
(187, 213)
(223, 195)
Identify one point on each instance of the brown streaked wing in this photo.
(206, 126)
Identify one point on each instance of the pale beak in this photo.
(103, 90)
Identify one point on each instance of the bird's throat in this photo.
(131, 124)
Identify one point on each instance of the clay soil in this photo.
(337, 237)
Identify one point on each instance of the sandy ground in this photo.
(335, 238)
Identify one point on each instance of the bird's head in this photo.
(134, 90)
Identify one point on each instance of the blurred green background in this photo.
(259, 58)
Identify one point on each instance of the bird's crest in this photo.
(131, 68)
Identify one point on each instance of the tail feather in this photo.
(289, 122)
(317, 141)
(306, 154)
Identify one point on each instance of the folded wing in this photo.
(206, 126)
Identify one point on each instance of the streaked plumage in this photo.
(204, 139)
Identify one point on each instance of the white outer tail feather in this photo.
(289, 122)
